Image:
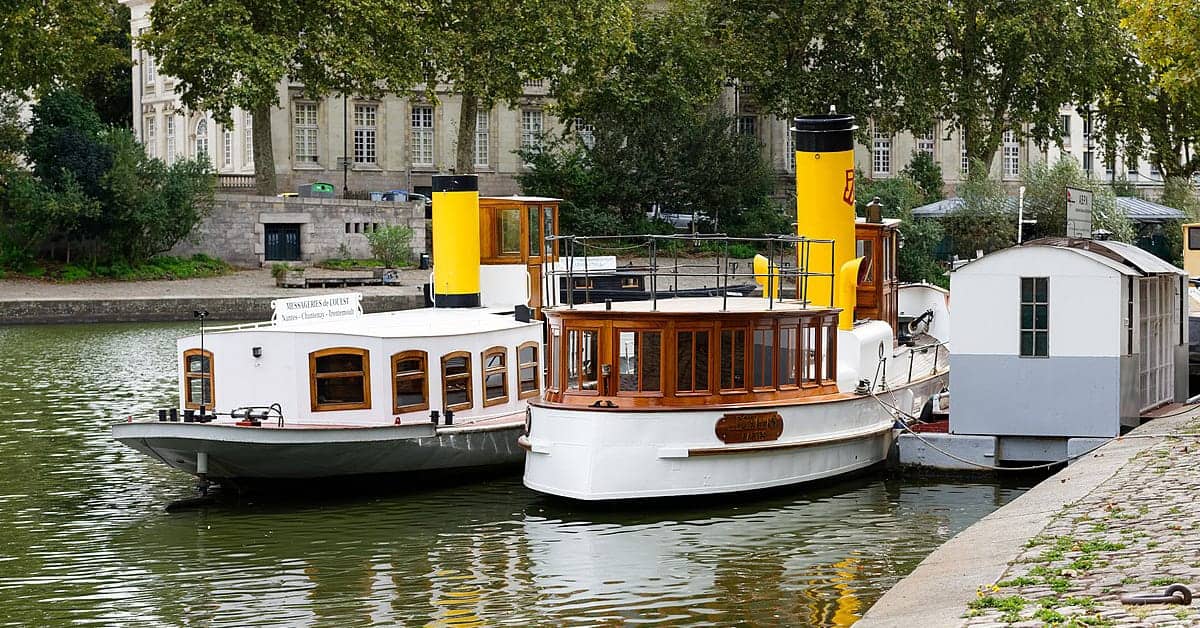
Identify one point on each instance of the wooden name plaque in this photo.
(749, 428)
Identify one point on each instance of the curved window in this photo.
(456, 381)
(202, 138)
(340, 379)
(197, 379)
(495, 376)
(527, 370)
(410, 382)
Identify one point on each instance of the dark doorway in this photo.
(282, 242)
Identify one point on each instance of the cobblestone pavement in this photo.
(1137, 532)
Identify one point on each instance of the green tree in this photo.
(230, 54)
(926, 172)
(986, 222)
(48, 43)
(1046, 202)
(1167, 35)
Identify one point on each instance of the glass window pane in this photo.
(457, 365)
(588, 350)
(527, 355)
(339, 363)
(1041, 320)
(340, 390)
(457, 391)
(1026, 316)
(535, 238)
(494, 360)
(701, 360)
(1026, 290)
(548, 230)
(528, 378)
(651, 360)
(494, 386)
(1041, 288)
(1026, 343)
(627, 361)
(787, 356)
(509, 224)
(1194, 238)
(764, 358)
(733, 359)
(410, 365)
(683, 361)
(410, 392)
(573, 359)
(1040, 344)
(830, 351)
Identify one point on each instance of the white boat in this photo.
(324, 390)
(705, 395)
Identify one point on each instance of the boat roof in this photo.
(1126, 259)
(418, 323)
(697, 305)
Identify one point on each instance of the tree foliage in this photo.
(985, 222)
(47, 43)
(1167, 36)
(926, 173)
(1046, 202)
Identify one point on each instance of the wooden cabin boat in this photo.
(324, 390)
(703, 395)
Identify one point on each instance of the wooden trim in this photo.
(537, 350)
(815, 442)
(502, 370)
(210, 376)
(408, 355)
(365, 374)
(470, 402)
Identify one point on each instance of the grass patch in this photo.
(1050, 616)
(161, 267)
(1161, 582)
(1019, 581)
(351, 264)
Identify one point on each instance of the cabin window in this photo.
(410, 382)
(527, 368)
(581, 358)
(630, 283)
(548, 229)
(733, 359)
(1035, 317)
(554, 359)
(889, 267)
(535, 223)
(691, 361)
(810, 351)
(197, 379)
(456, 380)
(508, 226)
(866, 250)
(495, 376)
(340, 379)
(1193, 238)
(639, 361)
(787, 355)
(763, 358)
(829, 350)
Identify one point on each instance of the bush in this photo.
(391, 245)
(899, 195)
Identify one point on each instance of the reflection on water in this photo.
(86, 540)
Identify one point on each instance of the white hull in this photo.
(273, 453)
(597, 455)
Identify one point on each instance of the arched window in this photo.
(340, 379)
(495, 376)
(527, 370)
(456, 381)
(410, 382)
(197, 379)
(201, 138)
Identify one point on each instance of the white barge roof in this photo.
(698, 305)
(418, 323)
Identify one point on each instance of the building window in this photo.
(1154, 171)
(1035, 320)
(1087, 161)
(495, 376)
(527, 370)
(410, 382)
(151, 70)
(151, 138)
(1064, 129)
(422, 136)
(482, 138)
(364, 133)
(585, 132)
(247, 140)
(581, 359)
(925, 142)
(197, 379)
(456, 381)
(531, 129)
(170, 138)
(733, 359)
(747, 125)
(227, 147)
(1131, 168)
(1012, 156)
(304, 132)
(339, 379)
(639, 361)
(881, 153)
(964, 161)
(202, 139)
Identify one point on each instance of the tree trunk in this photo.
(465, 151)
(264, 156)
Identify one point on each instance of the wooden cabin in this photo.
(513, 230)
(878, 280)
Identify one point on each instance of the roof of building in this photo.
(1126, 259)
(1136, 209)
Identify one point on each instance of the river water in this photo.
(84, 537)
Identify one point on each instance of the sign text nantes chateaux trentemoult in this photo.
(317, 308)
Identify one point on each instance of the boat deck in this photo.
(926, 357)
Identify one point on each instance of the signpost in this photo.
(1079, 213)
(325, 307)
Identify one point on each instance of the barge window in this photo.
(810, 350)
(787, 355)
(509, 231)
(548, 230)
(764, 358)
(733, 359)
(829, 350)
(554, 360)
(340, 379)
(691, 359)
(495, 376)
(581, 359)
(535, 223)
(197, 379)
(639, 361)
(1035, 317)
(410, 382)
(456, 380)
(527, 368)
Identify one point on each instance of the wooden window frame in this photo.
(804, 380)
(408, 355)
(470, 402)
(747, 384)
(772, 371)
(709, 361)
(792, 325)
(829, 329)
(535, 365)
(210, 376)
(615, 385)
(572, 357)
(485, 372)
(313, 376)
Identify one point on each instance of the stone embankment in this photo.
(1124, 519)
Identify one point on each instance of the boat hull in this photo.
(630, 454)
(257, 454)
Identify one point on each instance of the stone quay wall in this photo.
(151, 309)
(235, 230)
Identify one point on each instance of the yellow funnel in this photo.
(456, 240)
(764, 275)
(825, 204)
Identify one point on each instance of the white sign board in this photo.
(323, 307)
(1079, 213)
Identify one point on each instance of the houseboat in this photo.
(706, 395)
(323, 390)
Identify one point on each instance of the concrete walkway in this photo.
(1123, 519)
